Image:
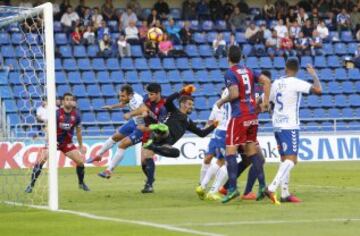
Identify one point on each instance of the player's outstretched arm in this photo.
(201, 132)
(140, 111)
(265, 81)
(114, 106)
(316, 86)
(233, 94)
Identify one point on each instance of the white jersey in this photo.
(222, 114)
(286, 95)
(135, 102)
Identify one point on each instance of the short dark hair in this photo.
(153, 88)
(292, 64)
(185, 98)
(266, 73)
(68, 94)
(234, 54)
(127, 88)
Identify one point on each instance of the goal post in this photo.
(45, 33)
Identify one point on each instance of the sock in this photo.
(204, 168)
(35, 174)
(231, 166)
(285, 186)
(250, 180)
(107, 145)
(220, 179)
(80, 171)
(117, 158)
(150, 170)
(257, 163)
(284, 169)
(241, 168)
(209, 174)
(143, 167)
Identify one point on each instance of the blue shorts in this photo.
(287, 141)
(217, 145)
(130, 130)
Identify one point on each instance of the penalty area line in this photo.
(119, 220)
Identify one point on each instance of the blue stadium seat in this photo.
(240, 37)
(17, 38)
(4, 38)
(211, 36)
(333, 62)
(32, 39)
(112, 64)
(201, 103)
(347, 113)
(194, 25)
(223, 63)
(252, 62)
(320, 113)
(351, 48)
(207, 25)
(126, 64)
(10, 106)
(305, 113)
(8, 51)
(155, 64)
(354, 100)
(80, 91)
(265, 62)
(166, 89)
(346, 36)
(117, 117)
(188, 76)
(205, 50)
(69, 64)
(98, 64)
(202, 76)
(334, 88)
(61, 39)
(103, 116)
(74, 77)
(216, 76)
(357, 86)
(348, 87)
(327, 101)
(328, 49)
(340, 49)
(103, 77)
(113, 25)
(354, 74)
(97, 103)
(146, 77)
(5, 78)
(313, 101)
(221, 25)
(93, 90)
(60, 77)
(169, 64)
(200, 38)
(88, 77)
(279, 63)
(108, 90)
(131, 77)
(203, 115)
(141, 64)
(14, 78)
(79, 51)
(306, 60)
(117, 77)
(211, 63)
(174, 76)
(88, 117)
(160, 76)
(247, 49)
(340, 74)
(61, 89)
(182, 63)
(136, 51)
(341, 101)
(191, 50)
(326, 74)
(197, 63)
(92, 50)
(320, 62)
(84, 64)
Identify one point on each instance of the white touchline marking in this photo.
(270, 222)
(119, 220)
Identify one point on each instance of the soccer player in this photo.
(163, 136)
(242, 128)
(286, 96)
(129, 133)
(67, 119)
(216, 148)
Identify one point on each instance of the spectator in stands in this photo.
(330, 21)
(150, 48)
(136, 7)
(86, 19)
(173, 31)
(143, 29)
(251, 33)
(123, 46)
(232, 41)
(159, 25)
(302, 16)
(162, 8)
(219, 46)
(56, 11)
(355, 19)
(216, 10)
(105, 46)
(96, 18)
(128, 16)
(42, 113)
(76, 36)
(228, 9)
(302, 45)
(314, 17)
(287, 46)
(237, 20)
(294, 29)
(323, 6)
(89, 35)
(343, 21)
(307, 29)
(80, 9)
(282, 7)
(64, 5)
(266, 32)
(322, 30)
(165, 46)
(281, 29)
(269, 11)
(290, 17)
(186, 34)
(188, 10)
(132, 33)
(356, 58)
(108, 10)
(102, 30)
(152, 18)
(243, 6)
(316, 44)
(69, 20)
(202, 10)
(272, 44)
(305, 4)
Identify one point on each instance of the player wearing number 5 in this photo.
(243, 125)
(286, 95)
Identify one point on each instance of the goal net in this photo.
(27, 74)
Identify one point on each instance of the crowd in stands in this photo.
(284, 29)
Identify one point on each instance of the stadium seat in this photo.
(10, 106)
(247, 49)
(88, 117)
(191, 50)
(216, 76)
(346, 36)
(160, 76)
(305, 60)
(103, 77)
(131, 77)
(112, 64)
(97, 103)
(61, 39)
(201, 103)
(320, 113)
(188, 76)
(155, 64)
(175, 13)
(211, 63)
(61, 89)
(202, 76)
(252, 62)
(197, 63)
(108, 90)
(174, 76)
(194, 25)
(340, 74)
(66, 51)
(93, 90)
(354, 74)
(328, 49)
(146, 77)
(7, 51)
(141, 64)
(69, 64)
(265, 62)
(347, 112)
(113, 25)
(60, 77)
(74, 77)
(92, 50)
(221, 26)
(305, 113)
(126, 64)
(136, 51)
(80, 51)
(207, 25)
(334, 88)
(351, 48)
(341, 101)
(279, 63)
(4, 38)
(240, 37)
(200, 38)
(169, 64)
(333, 62)
(326, 74)
(320, 62)
(103, 116)
(205, 50)
(117, 117)
(348, 87)
(80, 91)
(354, 100)
(313, 101)
(182, 63)
(84, 64)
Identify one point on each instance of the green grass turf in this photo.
(329, 191)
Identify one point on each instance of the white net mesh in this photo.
(22, 49)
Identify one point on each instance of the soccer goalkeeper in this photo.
(163, 136)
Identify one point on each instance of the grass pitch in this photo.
(330, 191)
